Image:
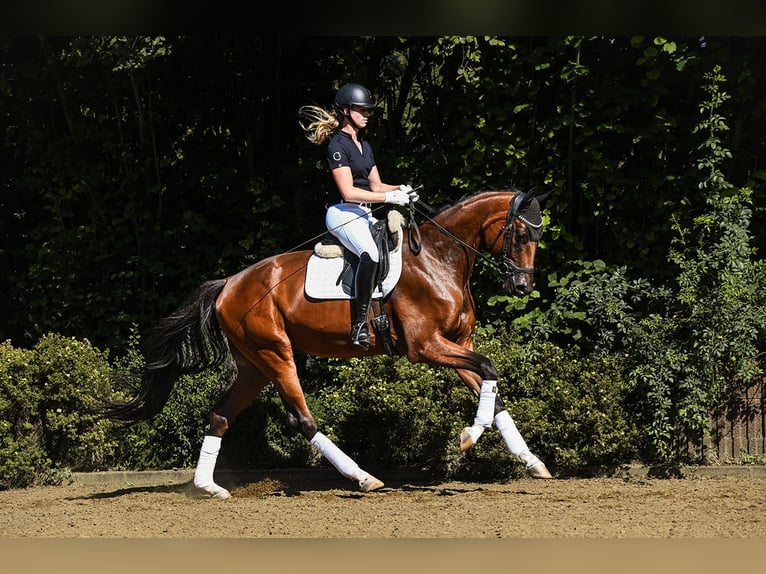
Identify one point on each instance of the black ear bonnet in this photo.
(526, 208)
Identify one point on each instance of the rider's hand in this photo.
(397, 197)
(411, 192)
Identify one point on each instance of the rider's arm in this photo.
(345, 184)
(376, 184)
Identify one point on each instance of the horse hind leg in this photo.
(292, 396)
(203, 473)
(243, 392)
(344, 463)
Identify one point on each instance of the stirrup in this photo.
(360, 336)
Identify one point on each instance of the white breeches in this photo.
(351, 224)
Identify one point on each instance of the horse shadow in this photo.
(289, 483)
(180, 488)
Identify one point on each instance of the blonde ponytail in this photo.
(318, 123)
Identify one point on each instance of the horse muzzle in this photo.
(519, 284)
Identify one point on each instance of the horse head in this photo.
(520, 233)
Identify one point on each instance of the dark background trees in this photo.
(135, 167)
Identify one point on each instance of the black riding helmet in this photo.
(353, 95)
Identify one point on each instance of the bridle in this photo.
(504, 263)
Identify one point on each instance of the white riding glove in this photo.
(397, 197)
(411, 192)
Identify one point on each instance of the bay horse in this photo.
(260, 317)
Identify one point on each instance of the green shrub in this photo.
(22, 458)
(48, 424)
(388, 412)
(570, 407)
(384, 412)
(73, 376)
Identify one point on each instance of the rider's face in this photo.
(359, 115)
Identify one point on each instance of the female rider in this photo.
(358, 185)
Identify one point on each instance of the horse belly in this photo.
(265, 307)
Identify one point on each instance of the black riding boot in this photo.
(360, 304)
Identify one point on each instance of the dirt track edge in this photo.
(180, 476)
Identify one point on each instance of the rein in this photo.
(503, 264)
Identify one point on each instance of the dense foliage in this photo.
(137, 167)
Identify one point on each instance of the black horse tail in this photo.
(185, 342)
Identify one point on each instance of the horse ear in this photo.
(543, 196)
(519, 201)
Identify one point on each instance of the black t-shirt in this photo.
(342, 151)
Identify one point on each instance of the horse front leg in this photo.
(516, 445)
(486, 392)
(479, 374)
(502, 419)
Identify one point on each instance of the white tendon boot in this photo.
(344, 464)
(483, 419)
(203, 475)
(518, 447)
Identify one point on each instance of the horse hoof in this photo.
(539, 471)
(370, 483)
(466, 440)
(470, 436)
(213, 491)
(535, 467)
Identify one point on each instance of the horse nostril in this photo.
(523, 287)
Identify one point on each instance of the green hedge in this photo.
(47, 399)
(384, 412)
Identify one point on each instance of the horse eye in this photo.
(522, 236)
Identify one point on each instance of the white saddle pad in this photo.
(322, 276)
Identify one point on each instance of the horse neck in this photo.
(466, 221)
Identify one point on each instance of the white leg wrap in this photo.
(486, 409)
(203, 474)
(339, 459)
(511, 435)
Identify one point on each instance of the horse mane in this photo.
(467, 196)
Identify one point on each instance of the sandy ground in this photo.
(281, 506)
